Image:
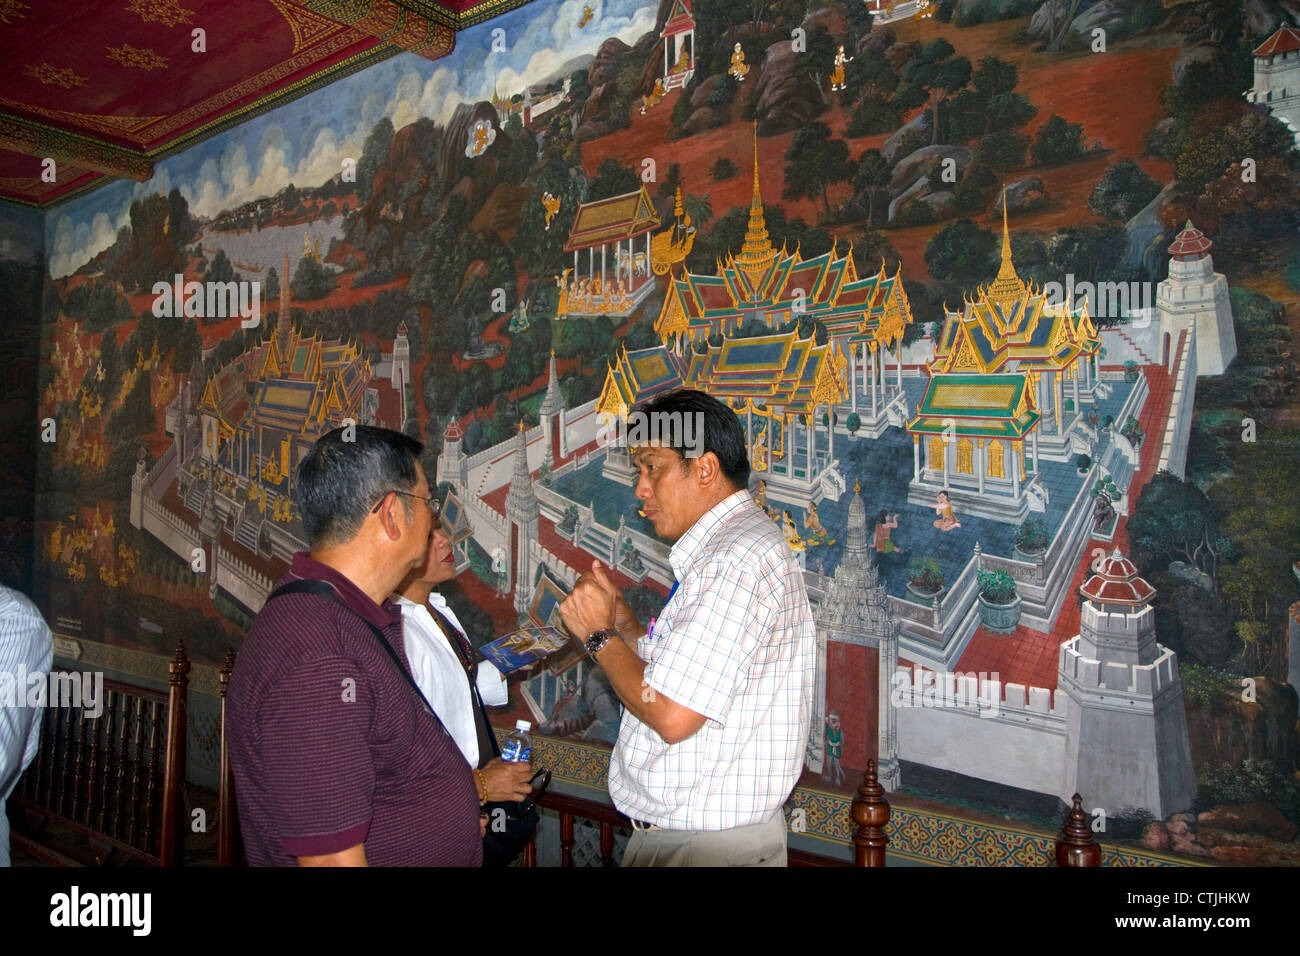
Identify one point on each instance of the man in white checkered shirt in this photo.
(718, 696)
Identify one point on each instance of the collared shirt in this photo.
(735, 643)
(331, 746)
(438, 671)
(26, 650)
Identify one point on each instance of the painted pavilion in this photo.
(678, 35)
(996, 395)
(605, 283)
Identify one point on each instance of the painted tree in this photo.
(930, 79)
(1122, 191)
(871, 177)
(814, 163)
(1057, 141)
(962, 251)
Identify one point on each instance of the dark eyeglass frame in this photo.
(434, 504)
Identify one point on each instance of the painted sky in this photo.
(305, 142)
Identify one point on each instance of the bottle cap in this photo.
(523, 725)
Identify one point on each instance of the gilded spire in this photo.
(757, 252)
(1007, 286)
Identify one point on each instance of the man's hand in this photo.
(594, 603)
(507, 781)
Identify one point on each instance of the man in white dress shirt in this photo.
(718, 692)
(443, 664)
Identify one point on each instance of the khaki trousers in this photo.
(761, 844)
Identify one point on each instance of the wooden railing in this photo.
(870, 810)
(114, 778)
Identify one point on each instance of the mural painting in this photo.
(1002, 292)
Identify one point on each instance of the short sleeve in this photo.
(711, 638)
(318, 764)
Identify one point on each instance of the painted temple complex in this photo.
(1011, 377)
(237, 440)
(786, 341)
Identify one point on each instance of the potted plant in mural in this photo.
(1032, 539)
(1130, 371)
(925, 578)
(1083, 463)
(1133, 432)
(999, 602)
(1105, 493)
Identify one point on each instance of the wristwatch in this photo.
(597, 641)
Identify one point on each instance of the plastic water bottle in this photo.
(518, 748)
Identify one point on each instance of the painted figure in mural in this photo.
(947, 520)
(885, 525)
(552, 206)
(811, 521)
(791, 533)
(834, 749)
(499, 570)
(740, 590)
(739, 68)
(456, 685)
(837, 73)
(759, 451)
(657, 94)
(304, 761)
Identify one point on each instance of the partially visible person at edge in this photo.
(443, 663)
(718, 696)
(26, 647)
(337, 760)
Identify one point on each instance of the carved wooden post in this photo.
(871, 813)
(566, 838)
(227, 825)
(178, 668)
(1076, 847)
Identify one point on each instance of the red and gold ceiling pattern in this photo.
(105, 88)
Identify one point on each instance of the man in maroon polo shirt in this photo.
(336, 759)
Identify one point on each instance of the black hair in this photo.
(346, 473)
(722, 432)
(883, 519)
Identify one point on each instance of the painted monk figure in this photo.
(739, 68)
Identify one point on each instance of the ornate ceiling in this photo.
(105, 88)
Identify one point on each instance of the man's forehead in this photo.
(650, 451)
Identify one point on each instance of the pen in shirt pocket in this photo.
(650, 631)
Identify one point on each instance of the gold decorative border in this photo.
(147, 664)
(915, 834)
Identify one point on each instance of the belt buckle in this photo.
(642, 825)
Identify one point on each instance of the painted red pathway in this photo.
(1027, 656)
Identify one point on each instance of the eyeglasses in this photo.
(435, 506)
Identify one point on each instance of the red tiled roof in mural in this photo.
(104, 88)
(1285, 39)
(1191, 243)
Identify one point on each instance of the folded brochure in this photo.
(533, 643)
